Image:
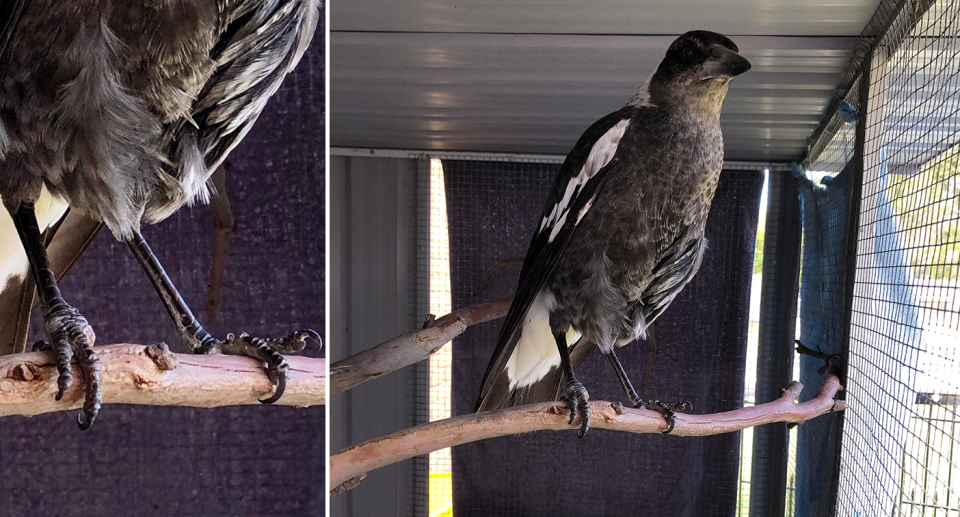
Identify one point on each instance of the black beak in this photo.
(723, 63)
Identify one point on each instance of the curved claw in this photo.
(312, 334)
(672, 421)
(72, 337)
(64, 381)
(276, 369)
(268, 351)
(85, 423)
(281, 386)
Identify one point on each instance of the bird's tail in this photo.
(502, 395)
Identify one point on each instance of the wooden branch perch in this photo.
(348, 466)
(152, 375)
(412, 347)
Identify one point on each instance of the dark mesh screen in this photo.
(492, 207)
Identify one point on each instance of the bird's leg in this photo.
(577, 395)
(199, 341)
(70, 334)
(635, 400)
(667, 410)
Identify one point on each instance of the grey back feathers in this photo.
(125, 108)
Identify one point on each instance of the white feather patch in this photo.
(600, 155)
(193, 177)
(536, 351)
(13, 259)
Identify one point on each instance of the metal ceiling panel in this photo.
(630, 17)
(536, 93)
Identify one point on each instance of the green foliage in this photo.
(927, 205)
(758, 255)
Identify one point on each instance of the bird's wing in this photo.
(675, 268)
(261, 42)
(65, 241)
(580, 180)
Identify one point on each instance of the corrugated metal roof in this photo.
(530, 77)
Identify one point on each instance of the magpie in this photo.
(114, 114)
(622, 232)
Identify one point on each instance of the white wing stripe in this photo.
(600, 155)
(558, 226)
(586, 207)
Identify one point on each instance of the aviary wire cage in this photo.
(881, 270)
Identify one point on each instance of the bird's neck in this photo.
(700, 101)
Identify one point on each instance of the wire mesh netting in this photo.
(900, 445)
(900, 435)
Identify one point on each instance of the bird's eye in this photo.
(688, 53)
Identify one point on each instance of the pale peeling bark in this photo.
(152, 375)
(412, 347)
(349, 465)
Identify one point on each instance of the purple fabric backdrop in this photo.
(702, 349)
(242, 461)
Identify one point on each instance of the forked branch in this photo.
(349, 465)
(152, 375)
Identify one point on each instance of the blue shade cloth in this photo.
(163, 461)
(824, 209)
(492, 209)
(848, 112)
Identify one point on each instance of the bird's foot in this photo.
(667, 410)
(72, 337)
(577, 397)
(831, 362)
(266, 350)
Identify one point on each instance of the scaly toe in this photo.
(267, 351)
(667, 410)
(72, 337)
(578, 398)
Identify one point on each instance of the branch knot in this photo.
(162, 356)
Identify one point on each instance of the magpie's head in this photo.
(698, 64)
